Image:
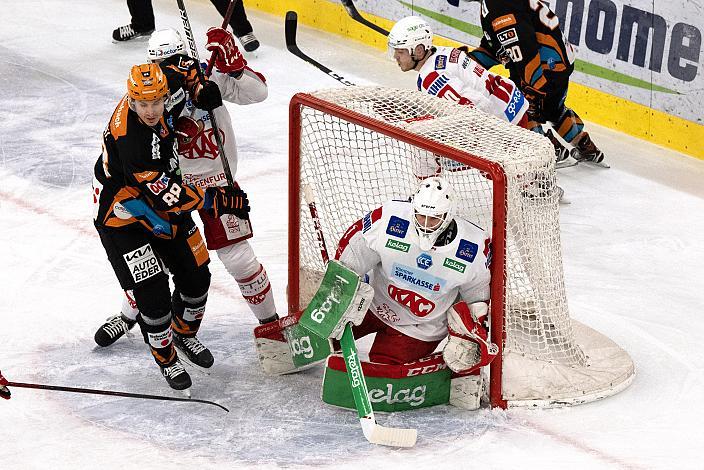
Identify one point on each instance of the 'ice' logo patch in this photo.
(467, 250)
(424, 261)
(397, 227)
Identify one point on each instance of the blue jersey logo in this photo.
(424, 261)
(440, 62)
(467, 250)
(397, 227)
(419, 279)
(367, 222)
(514, 105)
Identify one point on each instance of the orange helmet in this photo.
(147, 82)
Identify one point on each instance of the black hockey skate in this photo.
(249, 42)
(176, 376)
(113, 329)
(194, 350)
(127, 32)
(586, 151)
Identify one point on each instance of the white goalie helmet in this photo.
(434, 210)
(164, 43)
(408, 33)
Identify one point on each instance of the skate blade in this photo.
(191, 365)
(186, 392)
(566, 163)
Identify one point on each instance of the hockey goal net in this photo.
(357, 147)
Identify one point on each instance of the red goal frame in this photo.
(498, 230)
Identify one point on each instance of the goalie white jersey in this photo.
(198, 153)
(451, 74)
(413, 289)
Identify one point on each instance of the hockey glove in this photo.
(468, 347)
(186, 131)
(4, 391)
(227, 200)
(228, 59)
(208, 96)
(535, 100)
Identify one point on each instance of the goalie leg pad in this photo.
(391, 387)
(466, 391)
(284, 347)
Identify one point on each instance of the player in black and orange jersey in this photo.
(142, 214)
(525, 36)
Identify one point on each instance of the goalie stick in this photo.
(373, 432)
(291, 26)
(194, 53)
(113, 393)
(354, 14)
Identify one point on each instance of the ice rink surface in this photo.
(633, 255)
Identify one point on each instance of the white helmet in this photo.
(164, 43)
(434, 198)
(408, 32)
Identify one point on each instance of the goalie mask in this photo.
(433, 210)
(164, 43)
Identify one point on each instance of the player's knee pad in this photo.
(195, 283)
(239, 259)
(187, 312)
(154, 297)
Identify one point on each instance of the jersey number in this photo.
(172, 196)
(546, 16)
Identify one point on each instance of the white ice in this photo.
(633, 255)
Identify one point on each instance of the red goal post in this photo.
(359, 146)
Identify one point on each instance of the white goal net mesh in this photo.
(353, 168)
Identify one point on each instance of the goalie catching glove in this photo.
(342, 298)
(468, 347)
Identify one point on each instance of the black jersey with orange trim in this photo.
(139, 168)
(525, 36)
(182, 77)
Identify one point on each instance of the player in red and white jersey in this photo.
(420, 260)
(451, 74)
(201, 166)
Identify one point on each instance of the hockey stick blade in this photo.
(291, 26)
(113, 393)
(354, 14)
(381, 435)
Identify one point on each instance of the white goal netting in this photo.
(548, 359)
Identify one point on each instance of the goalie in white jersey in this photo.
(200, 165)
(451, 74)
(430, 274)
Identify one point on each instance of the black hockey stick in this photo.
(110, 393)
(290, 29)
(354, 14)
(194, 54)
